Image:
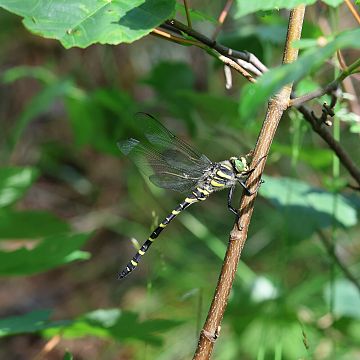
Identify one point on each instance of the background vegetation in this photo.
(71, 207)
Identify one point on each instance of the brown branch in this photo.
(238, 235)
(331, 251)
(224, 13)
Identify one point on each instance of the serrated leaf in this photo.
(14, 181)
(85, 22)
(245, 7)
(254, 96)
(29, 224)
(50, 252)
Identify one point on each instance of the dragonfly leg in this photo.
(248, 192)
(230, 196)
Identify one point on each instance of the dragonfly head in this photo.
(241, 165)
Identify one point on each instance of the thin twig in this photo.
(237, 67)
(238, 235)
(344, 157)
(314, 94)
(224, 13)
(223, 50)
(187, 11)
(347, 71)
(174, 38)
(331, 251)
(353, 10)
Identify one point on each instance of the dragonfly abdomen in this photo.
(197, 195)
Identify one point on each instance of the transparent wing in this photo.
(161, 169)
(175, 151)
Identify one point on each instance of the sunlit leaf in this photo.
(14, 181)
(116, 324)
(306, 208)
(345, 298)
(85, 22)
(49, 253)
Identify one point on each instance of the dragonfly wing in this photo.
(173, 149)
(161, 169)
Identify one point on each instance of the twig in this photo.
(329, 88)
(353, 10)
(176, 39)
(331, 251)
(344, 157)
(348, 86)
(224, 13)
(187, 11)
(314, 94)
(276, 108)
(223, 50)
(237, 67)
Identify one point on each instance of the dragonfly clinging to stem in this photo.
(171, 163)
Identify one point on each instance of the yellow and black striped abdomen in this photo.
(197, 195)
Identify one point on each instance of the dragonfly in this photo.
(171, 163)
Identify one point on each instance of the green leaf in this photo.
(245, 7)
(32, 322)
(116, 324)
(306, 208)
(345, 298)
(68, 356)
(315, 157)
(29, 224)
(20, 72)
(333, 3)
(85, 22)
(256, 95)
(14, 181)
(50, 252)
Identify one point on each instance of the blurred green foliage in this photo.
(66, 192)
